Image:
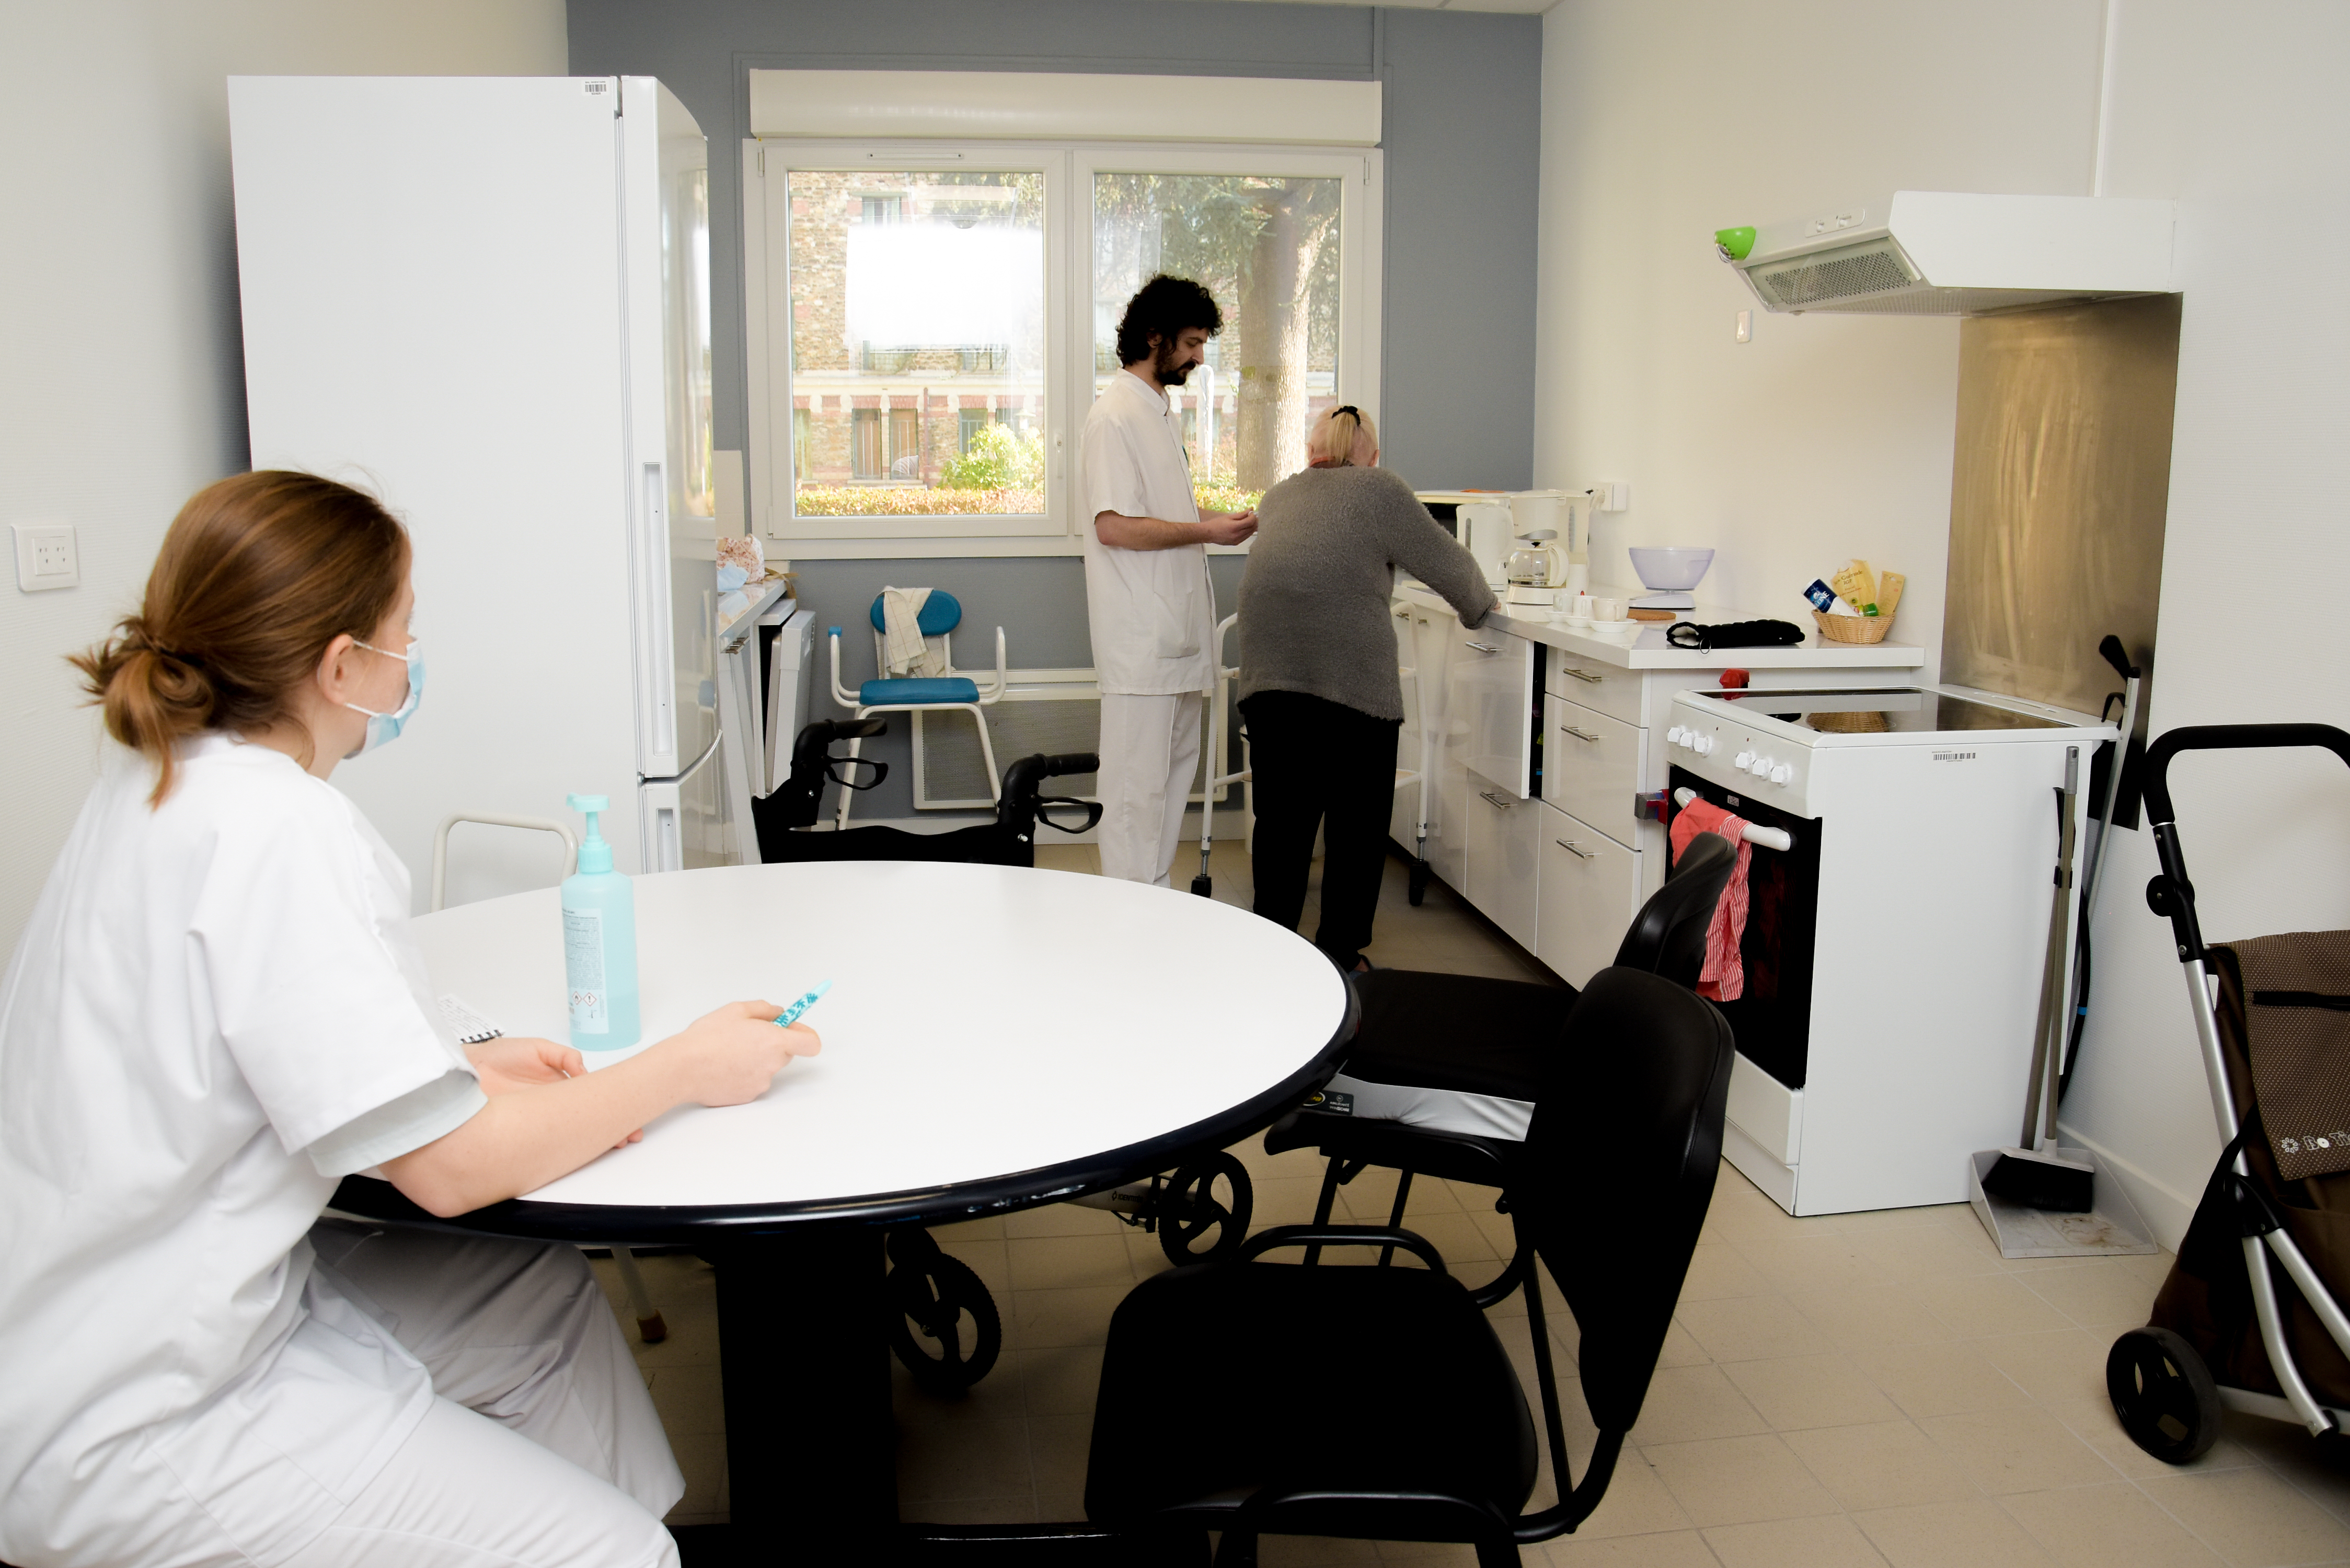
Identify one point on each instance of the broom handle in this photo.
(2039, 1103)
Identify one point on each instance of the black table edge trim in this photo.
(707, 1225)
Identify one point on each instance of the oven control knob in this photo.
(1783, 773)
(1743, 760)
(1703, 745)
(1760, 767)
(1673, 736)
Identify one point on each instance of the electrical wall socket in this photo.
(46, 556)
(1610, 496)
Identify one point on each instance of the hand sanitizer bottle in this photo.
(599, 942)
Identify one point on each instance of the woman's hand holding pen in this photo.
(733, 1055)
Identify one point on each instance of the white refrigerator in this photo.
(487, 300)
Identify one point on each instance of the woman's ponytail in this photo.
(257, 574)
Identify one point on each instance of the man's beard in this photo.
(1165, 365)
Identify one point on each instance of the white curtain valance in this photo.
(1064, 105)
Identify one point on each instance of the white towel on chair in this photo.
(905, 650)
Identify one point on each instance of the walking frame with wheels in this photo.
(2161, 1378)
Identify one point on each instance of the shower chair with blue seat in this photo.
(951, 691)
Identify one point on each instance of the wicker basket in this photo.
(1853, 628)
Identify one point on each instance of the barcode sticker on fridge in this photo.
(471, 1026)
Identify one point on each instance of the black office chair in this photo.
(1491, 1038)
(1402, 1418)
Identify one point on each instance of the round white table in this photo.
(995, 1038)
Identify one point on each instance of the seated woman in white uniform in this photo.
(214, 1013)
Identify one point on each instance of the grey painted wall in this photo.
(1462, 144)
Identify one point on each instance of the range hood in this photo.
(1942, 253)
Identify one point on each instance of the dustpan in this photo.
(2111, 1228)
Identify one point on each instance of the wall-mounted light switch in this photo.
(46, 556)
(1746, 326)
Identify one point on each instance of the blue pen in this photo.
(791, 1014)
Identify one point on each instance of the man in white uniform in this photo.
(1147, 597)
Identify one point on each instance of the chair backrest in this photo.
(1668, 936)
(942, 613)
(1620, 1163)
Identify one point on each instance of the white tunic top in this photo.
(1153, 611)
(214, 1012)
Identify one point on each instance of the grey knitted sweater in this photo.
(1314, 612)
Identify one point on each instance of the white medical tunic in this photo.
(214, 1012)
(1152, 611)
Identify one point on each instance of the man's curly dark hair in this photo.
(1164, 308)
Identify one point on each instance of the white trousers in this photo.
(543, 1447)
(1149, 753)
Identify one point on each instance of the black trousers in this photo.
(1319, 764)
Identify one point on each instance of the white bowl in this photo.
(1615, 628)
(1670, 568)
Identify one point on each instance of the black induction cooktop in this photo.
(1901, 710)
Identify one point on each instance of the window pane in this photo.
(918, 343)
(1266, 248)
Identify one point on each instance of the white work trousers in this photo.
(543, 1447)
(1150, 753)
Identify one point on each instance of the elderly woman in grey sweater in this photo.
(1319, 687)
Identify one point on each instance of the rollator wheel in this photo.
(2163, 1394)
(1415, 887)
(945, 1328)
(1204, 1212)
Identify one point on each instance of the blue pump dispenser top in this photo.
(595, 854)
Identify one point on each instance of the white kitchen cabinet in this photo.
(1590, 888)
(1437, 632)
(1504, 857)
(1492, 695)
(1591, 766)
(1403, 821)
(1595, 684)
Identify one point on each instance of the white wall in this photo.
(1829, 436)
(123, 389)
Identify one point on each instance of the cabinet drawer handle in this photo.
(1582, 674)
(1482, 646)
(1503, 801)
(1571, 849)
(1579, 734)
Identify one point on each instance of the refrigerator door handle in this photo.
(660, 711)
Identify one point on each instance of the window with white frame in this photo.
(928, 323)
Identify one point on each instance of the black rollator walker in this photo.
(2248, 1319)
(949, 1333)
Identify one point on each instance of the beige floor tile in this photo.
(1427, 1552)
(2022, 1449)
(1717, 1270)
(2058, 1367)
(1060, 1380)
(1749, 1328)
(1926, 1251)
(1831, 1540)
(1670, 1549)
(1056, 1451)
(1738, 1480)
(989, 1227)
(2321, 1471)
(955, 1460)
(1687, 1404)
(2091, 1419)
(1637, 1502)
(1681, 1347)
(1061, 1220)
(692, 1335)
(2091, 1526)
(986, 1258)
(1937, 1379)
(1312, 1552)
(1989, 1303)
(689, 1399)
(2251, 1517)
(1977, 1535)
(1890, 1464)
(1795, 1391)
(1067, 1263)
(1285, 1201)
(1829, 1261)
(702, 1456)
(2100, 1294)
(1039, 1320)
(1872, 1314)
(997, 1397)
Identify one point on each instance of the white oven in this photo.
(1892, 951)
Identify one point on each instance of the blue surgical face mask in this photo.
(384, 728)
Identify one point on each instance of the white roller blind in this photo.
(1057, 106)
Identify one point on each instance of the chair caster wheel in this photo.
(2164, 1394)
(1196, 1223)
(944, 1324)
(1203, 886)
(1415, 887)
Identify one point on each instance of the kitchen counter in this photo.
(1649, 650)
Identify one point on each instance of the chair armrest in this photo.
(1342, 1236)
(846, 699)
(1000, 674)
